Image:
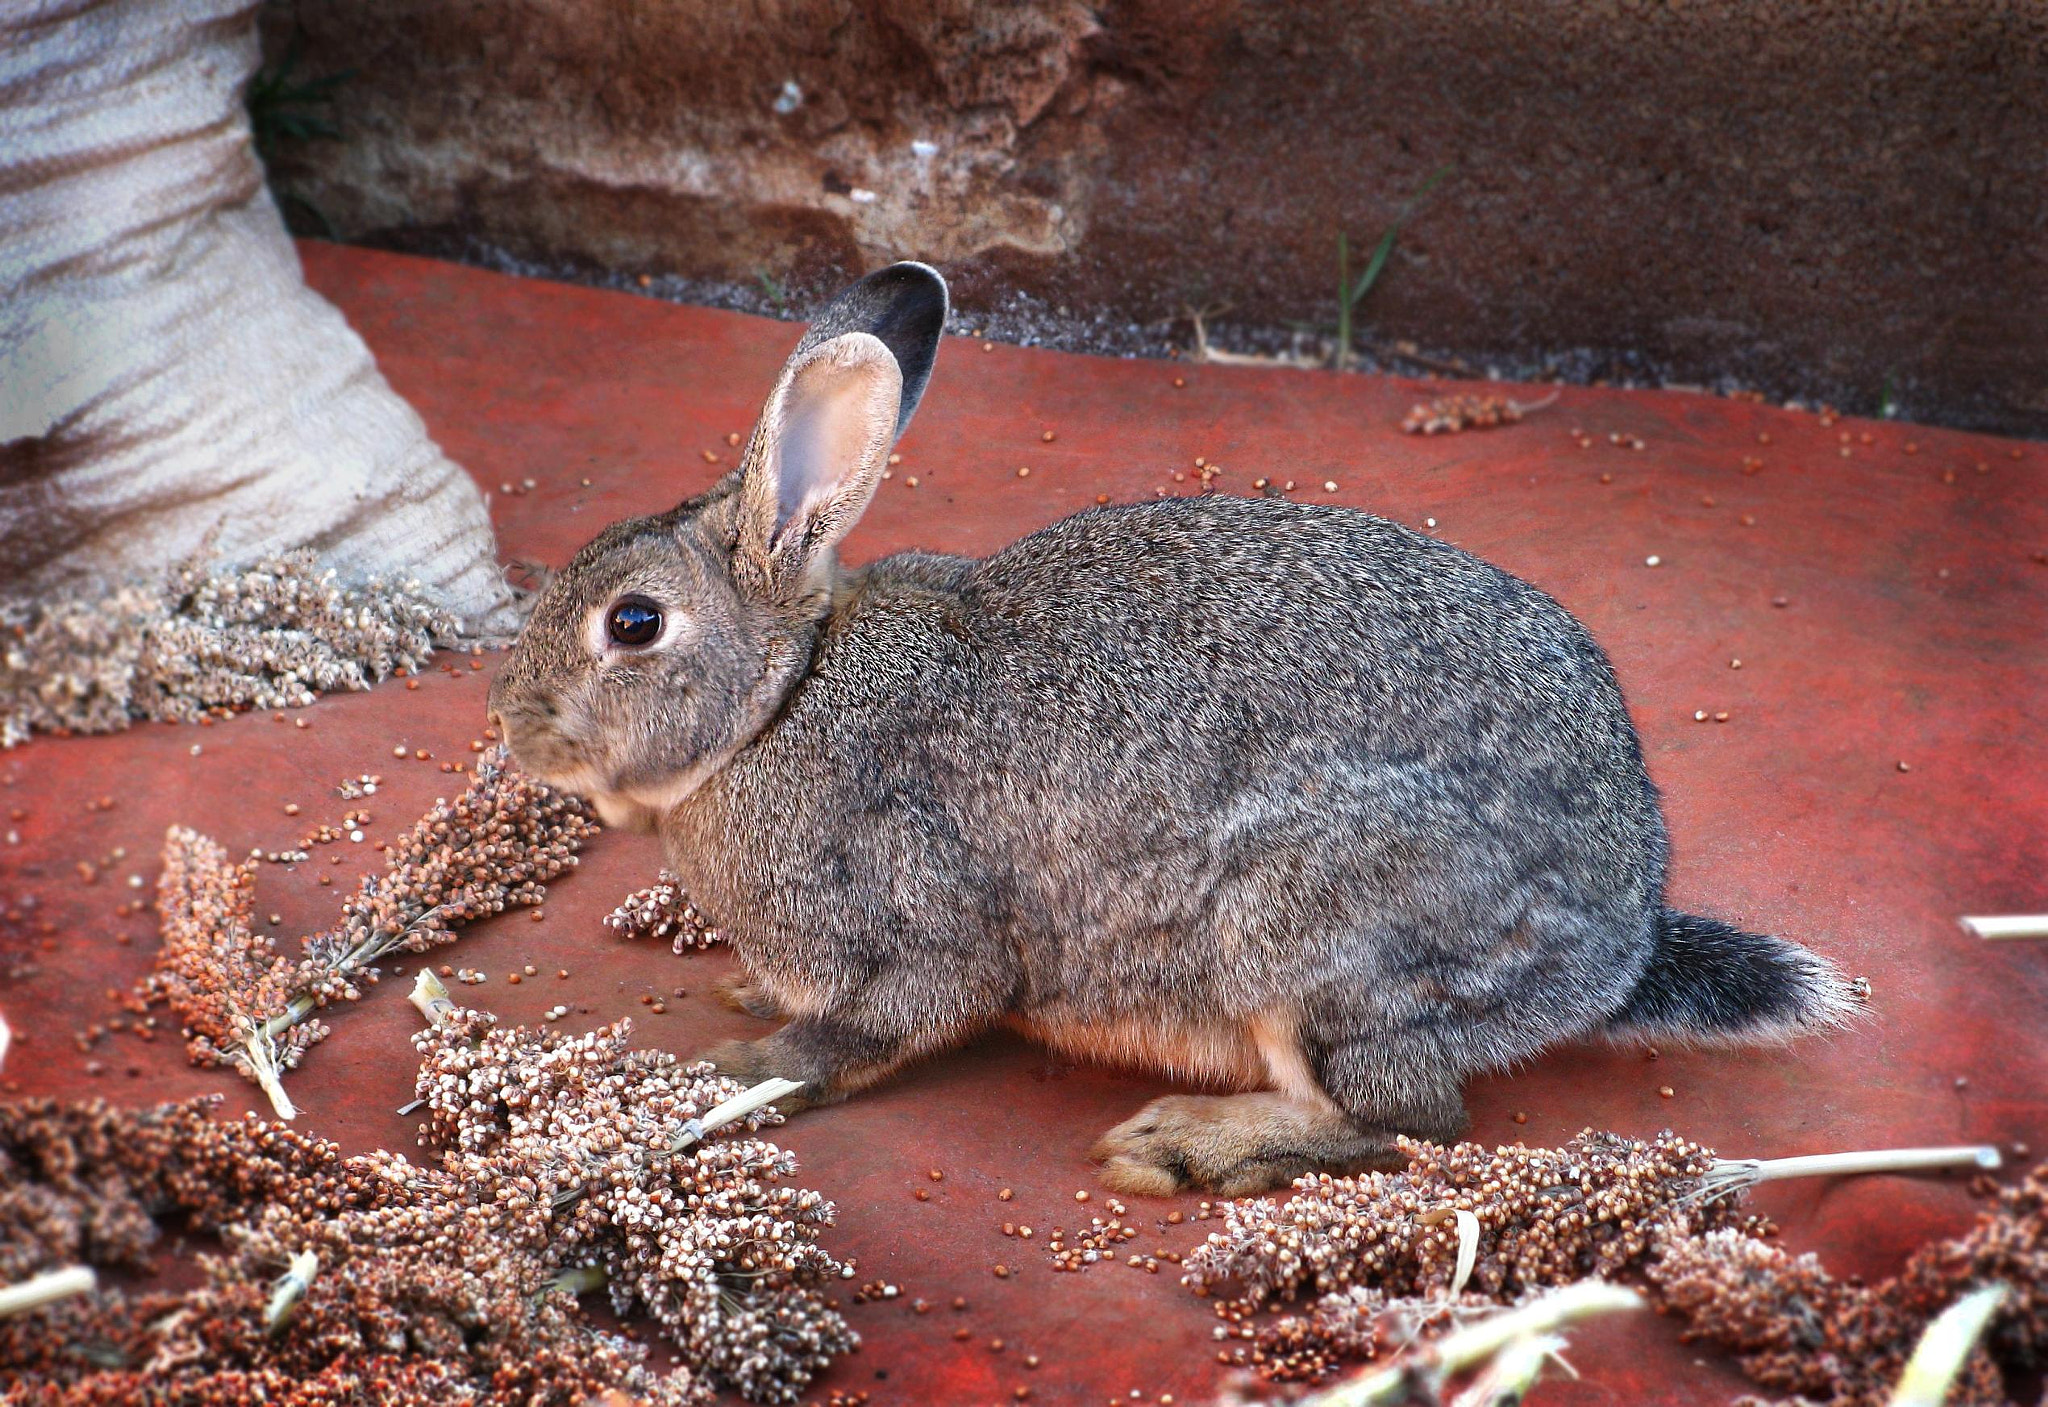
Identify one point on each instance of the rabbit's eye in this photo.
(634, 621)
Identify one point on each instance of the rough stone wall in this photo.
(1829, 199)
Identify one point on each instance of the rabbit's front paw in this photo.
(751, 1062)
(740, 994)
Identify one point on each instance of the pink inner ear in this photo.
(831, 418)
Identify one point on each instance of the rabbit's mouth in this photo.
(547, 754)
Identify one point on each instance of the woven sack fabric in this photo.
(167, 380)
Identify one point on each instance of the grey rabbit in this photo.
(1262, 795)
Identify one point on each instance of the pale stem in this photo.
(261, 1047)
(262, 1054)
(290, 1289)
(1469, 1347)
(430, 996)
(1468, 1251)
(1513, 1372)
(717, 1117)
(578, 1279)
(2002, 926)
(295, 1011)
(1939, 1357)
(738, 1107)
(50, 1286)
(355, 959)
(1731, 1175)
(1976, 1155)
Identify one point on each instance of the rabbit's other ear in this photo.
(824, 437)
(904, 306)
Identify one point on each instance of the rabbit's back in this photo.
(1207, 758)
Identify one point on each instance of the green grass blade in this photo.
(1385, 247)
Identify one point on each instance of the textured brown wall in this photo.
(1812, 198)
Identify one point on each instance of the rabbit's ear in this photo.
(849, 390)
(820, 449)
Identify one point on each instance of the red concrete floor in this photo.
(1887, 605)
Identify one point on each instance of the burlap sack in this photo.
(165, 374)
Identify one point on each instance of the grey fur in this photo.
(1268, 792)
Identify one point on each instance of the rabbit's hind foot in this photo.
(1237, 1145)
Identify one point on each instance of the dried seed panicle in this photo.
(1386, 1242)
(1799, 1330)
(561, 1164)
(246, 1004)
(1450, 414)
(206, 640)
(661, 909)
(581, 1140)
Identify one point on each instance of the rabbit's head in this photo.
(669, 641)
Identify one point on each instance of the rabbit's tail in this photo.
(1708, 982)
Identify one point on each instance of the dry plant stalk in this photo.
(1517, 1342)
(1943, 1353)
(245, 1004)
(2000, 927)
(47, 1288)
(1729, 1176)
